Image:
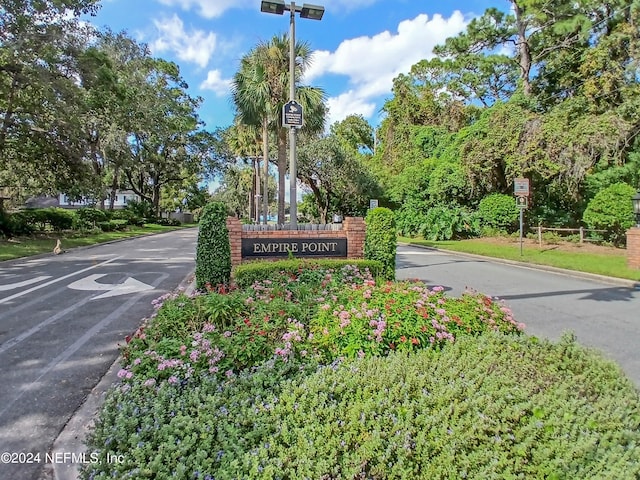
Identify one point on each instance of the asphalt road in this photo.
(601, 315)
(61, 320)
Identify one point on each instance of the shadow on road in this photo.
(610, 294)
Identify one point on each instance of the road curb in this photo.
(71, 439)
(621, 282)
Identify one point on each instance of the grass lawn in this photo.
(590, 259)
(26, 246)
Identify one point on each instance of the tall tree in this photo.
(336, 177)
(41, 140)
(261, 88)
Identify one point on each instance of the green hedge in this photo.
(213, 252)
(246, 274)
(381, 240)
(56, 219)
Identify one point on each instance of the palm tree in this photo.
(244, 141)
(261, 88)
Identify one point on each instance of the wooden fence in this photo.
(581, 231)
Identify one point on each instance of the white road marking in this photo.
(55, 280)
(13, 286)
(130, 285)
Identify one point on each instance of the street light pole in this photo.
(293, 173)
(313, 12)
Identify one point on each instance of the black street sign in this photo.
(292, 114)
(299, 247)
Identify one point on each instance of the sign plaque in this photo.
(292, 114)
(298, 247)
(521, 187)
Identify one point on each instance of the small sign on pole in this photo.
(522, 202)
(373, 203)
(521, 187)
(292, 114)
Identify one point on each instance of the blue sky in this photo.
(360, 45)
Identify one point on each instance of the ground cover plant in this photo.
(326, 373)
(487, 407)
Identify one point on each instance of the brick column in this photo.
(355, 230)
(235, 240)
(633, 247)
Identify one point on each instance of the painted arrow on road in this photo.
(13, 286)
(130, 285)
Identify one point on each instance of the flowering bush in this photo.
(223, 333)
(406, 316)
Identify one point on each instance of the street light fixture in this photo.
(636, 207)
(313, 12)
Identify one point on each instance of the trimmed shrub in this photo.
(57, 218)
(381, 239)
(112, 225)
(489, 407)
(498, 211)
(169, 222)
(492, 407)
(246, 274)
(18, 224)
(213, 253)
(611, 210)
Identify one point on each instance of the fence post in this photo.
(581, 234)
(540, 235)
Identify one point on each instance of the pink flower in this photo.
(172, 380)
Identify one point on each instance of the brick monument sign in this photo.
(336, 240)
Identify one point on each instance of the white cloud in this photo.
(195, 46)
(211, 8)
(349, 103)
(216, 83)
(371, 63)
(215, 8)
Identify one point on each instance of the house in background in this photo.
(123, 197)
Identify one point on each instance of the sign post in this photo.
(521, 190)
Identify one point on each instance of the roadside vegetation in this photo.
(31, 232)
(322, 370)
